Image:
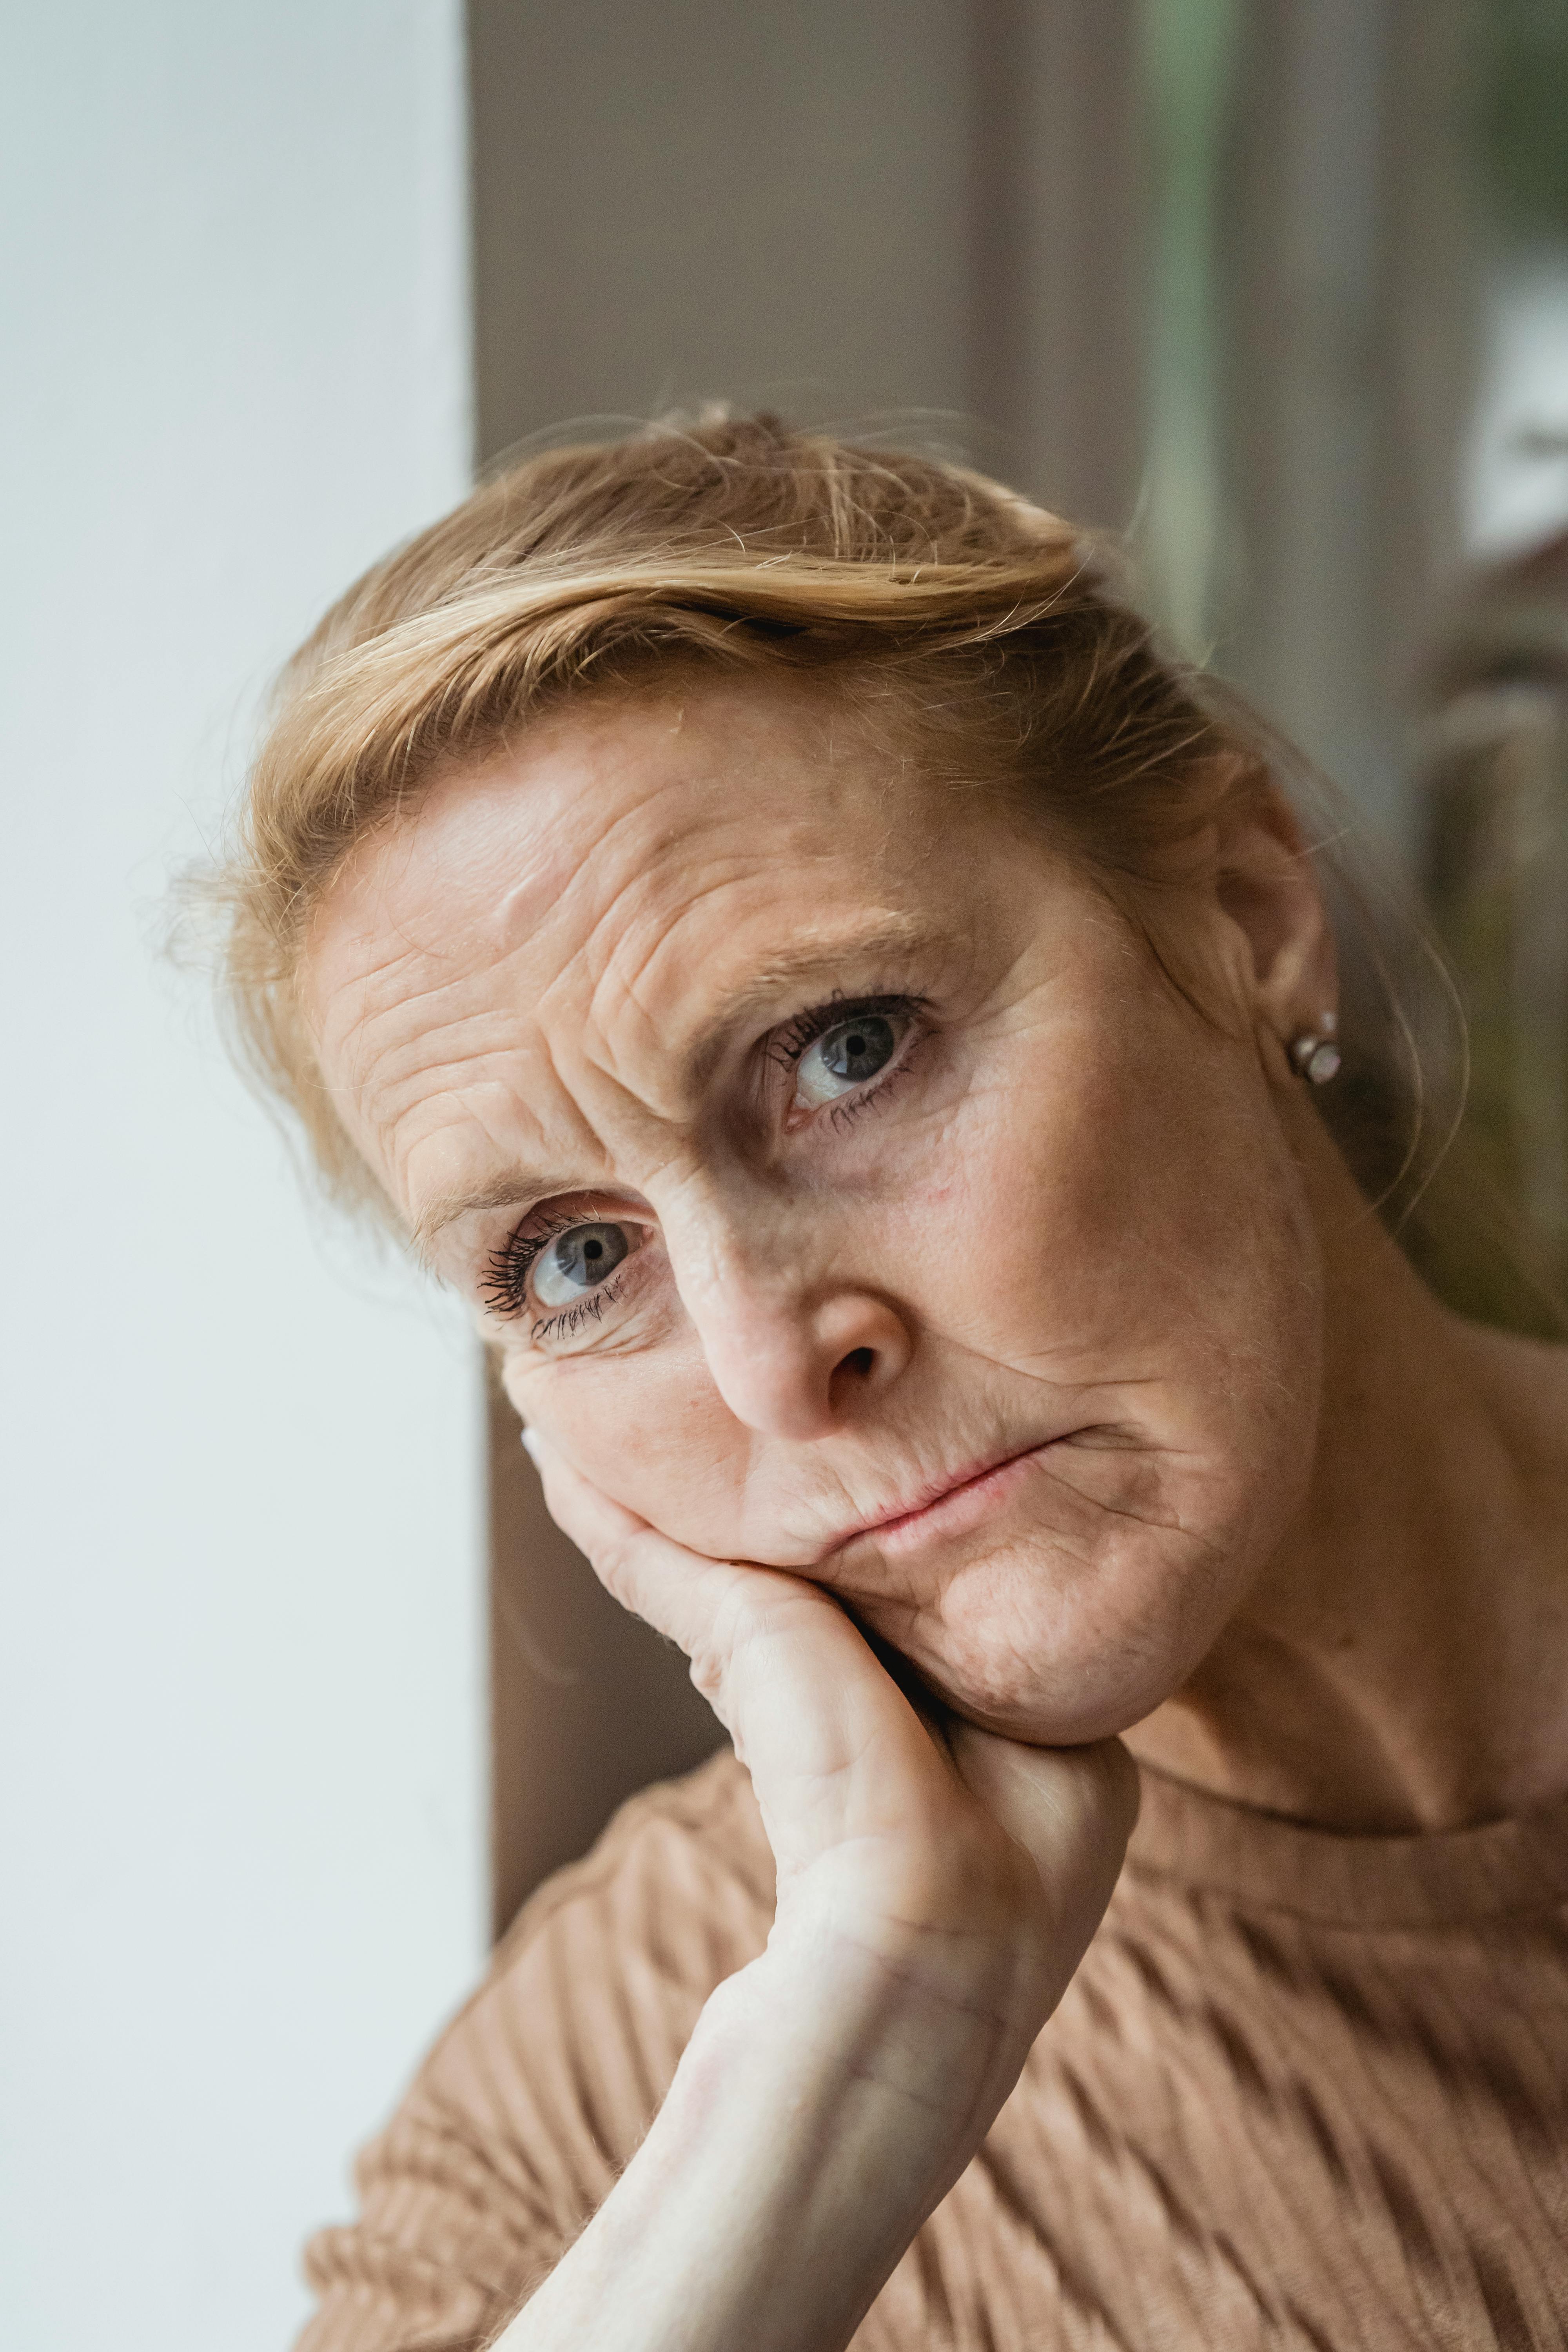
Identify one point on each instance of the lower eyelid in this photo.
(843, 1107)
(590, 1306)
(605, 1296)
(848, 1106)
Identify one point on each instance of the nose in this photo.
(797, 1365)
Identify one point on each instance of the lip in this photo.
(961, 1500)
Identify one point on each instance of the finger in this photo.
(1071, 1808)
(829, 1738)
(678, 1591)
(737, 1621)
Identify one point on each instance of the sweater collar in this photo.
(1432, 1879)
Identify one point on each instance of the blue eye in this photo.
(577, 1261)
(847, 1056)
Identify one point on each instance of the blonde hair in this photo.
(989, 635)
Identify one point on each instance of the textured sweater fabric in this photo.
(1305, 2091)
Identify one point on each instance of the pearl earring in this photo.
(1314, 1052)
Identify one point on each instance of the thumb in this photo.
(1071, 1810)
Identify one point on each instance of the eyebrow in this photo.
(817, 960)
(508, 1190)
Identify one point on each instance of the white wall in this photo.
(240, 1674)
(1516, 484)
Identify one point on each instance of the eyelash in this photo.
(800, 1033)
(571, 1319)
(504, 1284)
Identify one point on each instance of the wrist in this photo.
(826, 2101)
(840, 2057)
(927, 2009)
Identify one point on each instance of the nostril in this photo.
(860, 1362)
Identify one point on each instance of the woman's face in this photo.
(843, 1185)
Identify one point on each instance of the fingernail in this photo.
(531, 1446)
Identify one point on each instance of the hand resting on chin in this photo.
(937, 1887)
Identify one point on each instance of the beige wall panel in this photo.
(698, 198)
(1058, 195)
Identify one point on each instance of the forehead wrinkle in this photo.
(604, 868)
(427, 1041)
(415, 1011)
(699, 810)
(433, 1074)
(392, 930)
(398, 1103)
(378, 991)
(635, 902)
(623, 969)
(466, 968)
(363, 1004)
(812, 959)
(510, 1181)
(514, 1186)
(383, 1078)
(432, 1065)
(730, 861)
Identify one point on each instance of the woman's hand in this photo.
(937, 1888)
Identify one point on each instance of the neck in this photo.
(1401, 1661)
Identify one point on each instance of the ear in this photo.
(1267, 895)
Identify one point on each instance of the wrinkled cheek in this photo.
(1081, 1623)
(1046, 1659)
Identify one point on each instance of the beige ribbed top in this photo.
(1305, 2091)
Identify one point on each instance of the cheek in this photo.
(1134, 1211)
(1028, 1235)
(653, 1434)
(1160, 1255)
(1103, 1597)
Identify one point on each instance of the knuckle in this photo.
(708, 1672)
(613, 1560)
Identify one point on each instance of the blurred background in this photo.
(299, 1694)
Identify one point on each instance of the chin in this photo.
(1059, 1652)
(1088, 1595)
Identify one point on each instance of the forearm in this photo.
(829, 2096)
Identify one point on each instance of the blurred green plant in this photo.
(1522, 116)
(1494, 798)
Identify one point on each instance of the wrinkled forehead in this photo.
(625, 854)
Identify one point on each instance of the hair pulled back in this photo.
(983, 634)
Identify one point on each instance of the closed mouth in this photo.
(942, 1491)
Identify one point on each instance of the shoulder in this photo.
(594, 1988)
(541, 2088)
(567, 2047)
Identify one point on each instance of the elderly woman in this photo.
(860, 1029)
